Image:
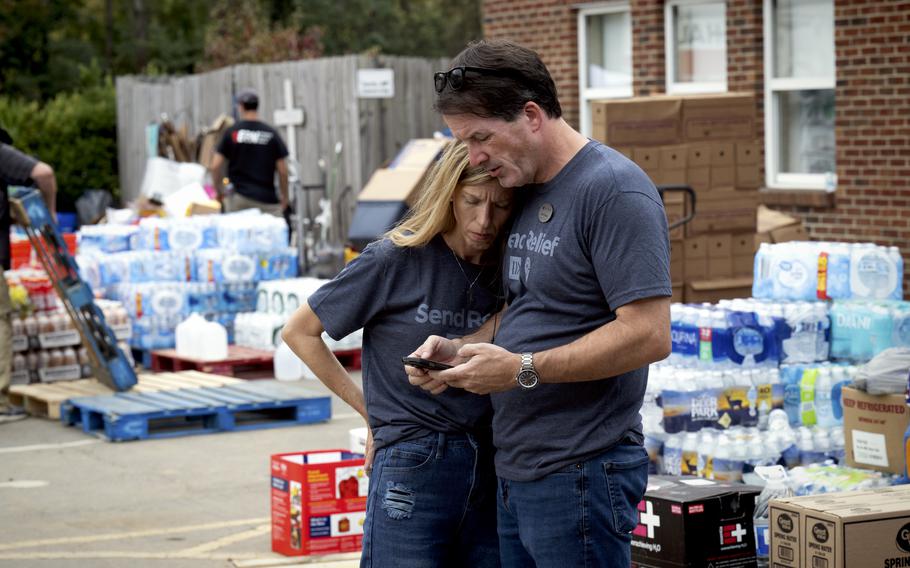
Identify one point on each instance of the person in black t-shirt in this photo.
(16, 168)
(254, 151)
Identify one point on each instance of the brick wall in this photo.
(549, 27)
(872, 49)
(872, 129)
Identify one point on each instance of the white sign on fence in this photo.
(375, 83)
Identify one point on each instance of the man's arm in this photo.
(43, 176)
(639, 335)
(216, 169)
(282, 166)
(446, 350)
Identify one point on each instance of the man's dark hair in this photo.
(499, 96)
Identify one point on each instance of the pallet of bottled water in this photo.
(803, 270)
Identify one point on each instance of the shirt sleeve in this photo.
(631, 249)
(281, 151)
(15, 166)
(224, 147)
(356, 295)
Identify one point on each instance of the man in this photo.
(586, 278)
(16, 168)
(254, 152)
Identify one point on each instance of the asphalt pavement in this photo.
(70, 499)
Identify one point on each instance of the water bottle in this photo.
(838, 277)
(705, 344)
(762, 284)
(824, 411)
(807, 411)
(775, 488)
(673, 455)
(707, 441)
(689, 463)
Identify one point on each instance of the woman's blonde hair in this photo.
(432, 213)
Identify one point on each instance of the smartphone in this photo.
(425, 364)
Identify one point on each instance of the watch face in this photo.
(527, 379)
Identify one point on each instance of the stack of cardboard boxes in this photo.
(710, 144)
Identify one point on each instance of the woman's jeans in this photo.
(581, 516)
(432, 502)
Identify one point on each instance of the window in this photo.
(605, 56)
(696, 44)
(799, 93)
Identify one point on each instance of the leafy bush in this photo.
(76, 133)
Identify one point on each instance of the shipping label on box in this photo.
(686, 521)
(874, 427)
(318, 502)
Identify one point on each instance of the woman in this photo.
(432, 488)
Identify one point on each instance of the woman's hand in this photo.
(435, 348)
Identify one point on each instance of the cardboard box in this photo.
(677, 261)
(727, 116)
(676, 207)
(211, 138)
(647, 159)
(698, 291)
(699, 154)
(319, 502)
(699, 178)
(696, 258)
(724, 211)
(393, 185)
(679, 289)
(842, 530)
(692, 522)
(790, 233)
(748, 153)
(874, 427)
(720, 256)
(404, 177)
(748, 176)
(743, 247)
(644, 121)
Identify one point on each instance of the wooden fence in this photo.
(371, 131)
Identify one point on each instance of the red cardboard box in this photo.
(319, 502)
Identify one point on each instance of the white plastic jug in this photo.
(201, 339)
(289, 367)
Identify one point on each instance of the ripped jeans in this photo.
(432, 502)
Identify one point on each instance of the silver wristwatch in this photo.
(527, 376)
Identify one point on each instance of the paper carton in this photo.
(842, 530)
(645, 121)
(874, 427)
(692, 522)
(318, 502)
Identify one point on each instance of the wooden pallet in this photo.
(44, 399)
(246, 405)
(239, 360)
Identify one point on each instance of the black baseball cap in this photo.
(247, 97)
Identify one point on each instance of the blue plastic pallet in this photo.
(165, 414)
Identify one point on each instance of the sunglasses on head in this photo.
(455, 76)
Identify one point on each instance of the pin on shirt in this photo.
(545, 213)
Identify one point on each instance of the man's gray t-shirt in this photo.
(589, 241)
(400, 296)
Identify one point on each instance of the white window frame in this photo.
(673, 87)
(774, 179)
(585, 94)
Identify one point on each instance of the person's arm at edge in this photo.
(43, 176)
(639, 335)
(303, 334)
(216, 169)
(281, 166)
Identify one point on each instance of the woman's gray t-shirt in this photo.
(589, 241)
(400, 296)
